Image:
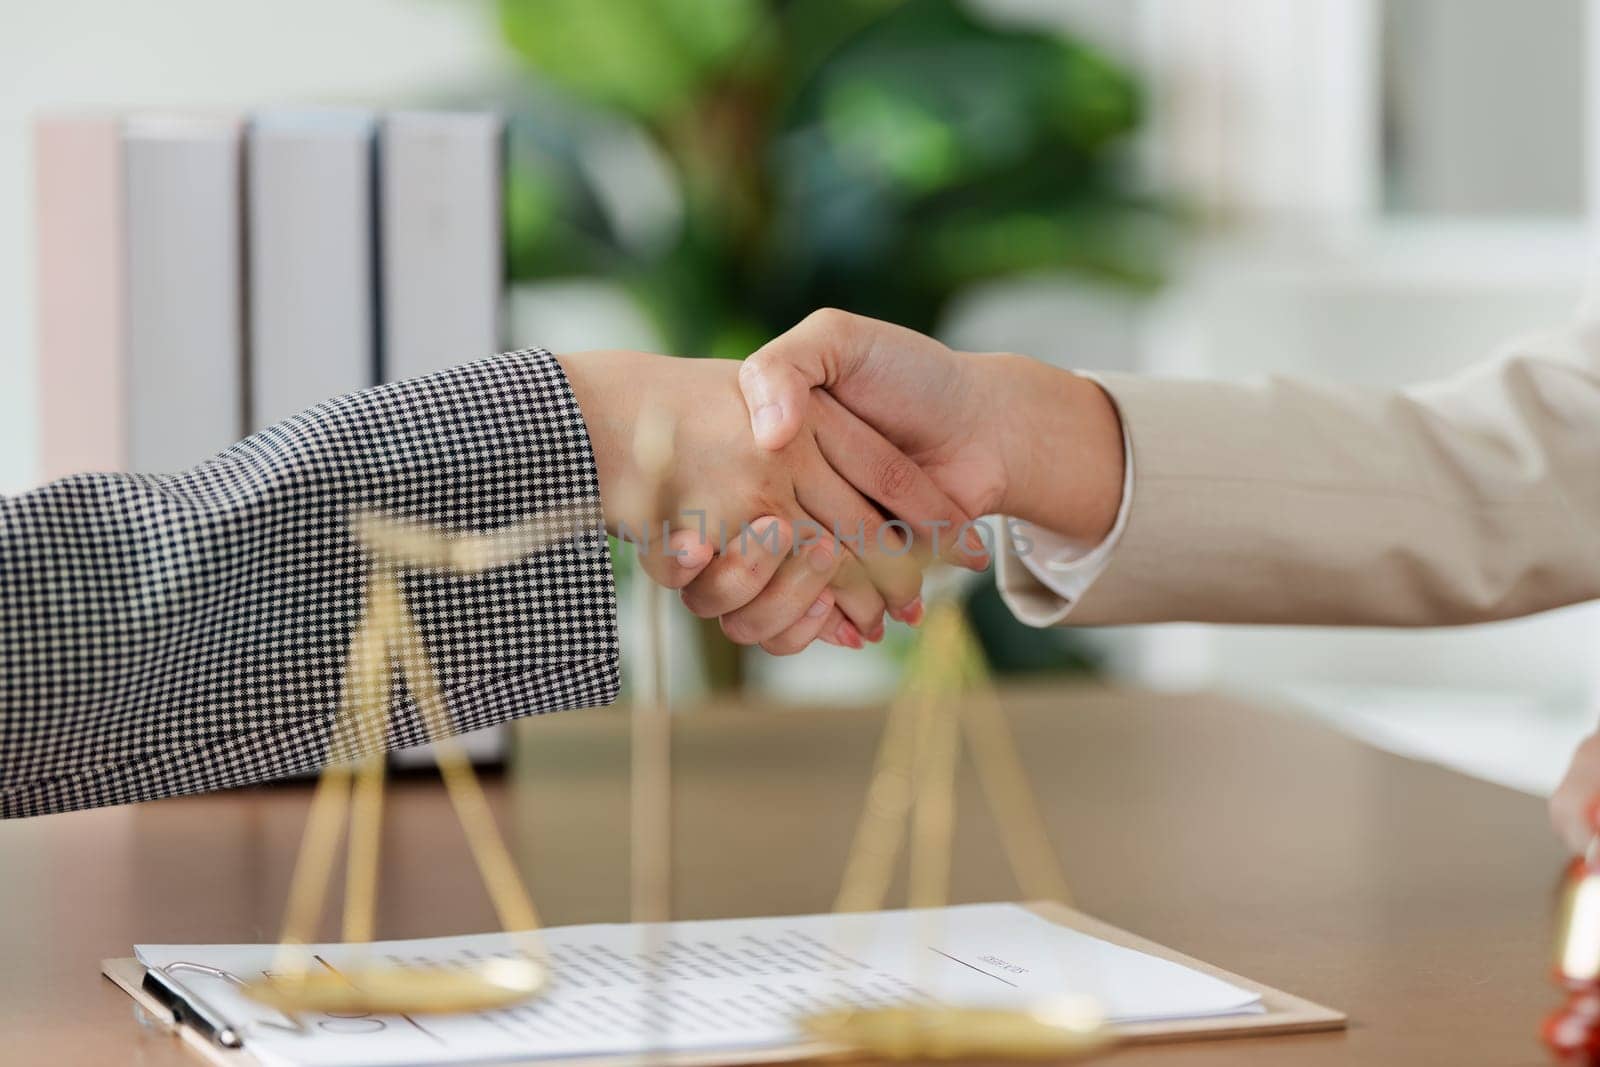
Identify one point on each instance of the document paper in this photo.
(728, 984)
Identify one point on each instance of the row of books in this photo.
(202, 277)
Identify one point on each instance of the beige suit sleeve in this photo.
(1284, 501)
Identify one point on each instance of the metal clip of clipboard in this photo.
(188, 1009)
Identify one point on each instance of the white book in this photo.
(184, 312)
(312, 259)
(442, 255)
(441, 239)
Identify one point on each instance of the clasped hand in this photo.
(812, 483)
(845, 423)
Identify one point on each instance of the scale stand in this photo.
(352, 785)
(947, 692)
(387, 639)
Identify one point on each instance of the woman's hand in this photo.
(1573, 803)
(999, 433)
(804, 553)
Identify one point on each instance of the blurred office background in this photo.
(1376, 191)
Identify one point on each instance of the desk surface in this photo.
(1410, 897)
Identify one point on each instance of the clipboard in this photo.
(1284, 1013)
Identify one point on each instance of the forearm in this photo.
(1293, 502)
(167, 634)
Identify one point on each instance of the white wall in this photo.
(1476, 90)
(208, 54)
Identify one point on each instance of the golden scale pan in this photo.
(946, 692)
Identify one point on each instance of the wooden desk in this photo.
(1413, 898)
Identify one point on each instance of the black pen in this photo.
(189, 1010)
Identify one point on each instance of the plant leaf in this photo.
(645, 57)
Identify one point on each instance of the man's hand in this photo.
(999, 433)
(1573, 803)
(773, 514)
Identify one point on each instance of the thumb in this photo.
(778, 378)
(776, 391)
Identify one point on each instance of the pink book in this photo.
(82, 374)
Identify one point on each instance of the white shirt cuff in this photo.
(1067, 567)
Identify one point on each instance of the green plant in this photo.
(875, 155)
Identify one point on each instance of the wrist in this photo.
(599, 383)
(1061, 447)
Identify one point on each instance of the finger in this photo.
(838, 630)
(853, 592)
(747, 563)
(777, 379)
(683, 558)
(863, 606)
(868, 461)
(1570, 825)
(794, 592)
(1572, 804)
(808, 628)
(890, 566)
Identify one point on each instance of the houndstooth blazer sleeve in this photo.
(166, 634)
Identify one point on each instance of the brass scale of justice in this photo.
(945, 692)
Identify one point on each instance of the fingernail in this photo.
(849, 636)
(766, 419)
(820, 556)
(911, 614)
(976, 551)
(819, 607)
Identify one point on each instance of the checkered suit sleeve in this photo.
(166, 634)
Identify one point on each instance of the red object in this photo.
(1572, 1032)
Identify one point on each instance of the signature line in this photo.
(980, 970)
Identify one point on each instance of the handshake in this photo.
(813, 482)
